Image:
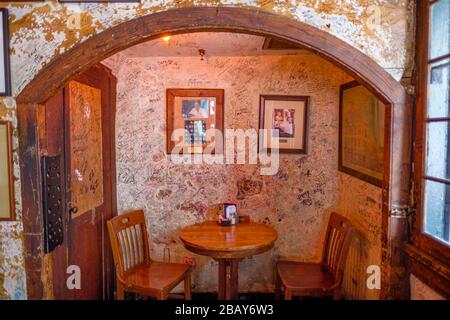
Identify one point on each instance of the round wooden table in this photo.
(228, 245)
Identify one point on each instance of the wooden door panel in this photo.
(88, 147)
(54, 145)
(84, 146)
(87, 254)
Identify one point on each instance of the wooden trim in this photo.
(6, 62)
(262, 105)
(437, 59)
(421, 99)
(437, 266)
(110, 271)
(9, 146)
(437, 120)
(396, 185)
(432, 272)
(439, 180)
(33, 229)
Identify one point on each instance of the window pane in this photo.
(437, 205)
(438, 89)
(440, 31)
(438, 164)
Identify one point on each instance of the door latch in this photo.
(52, 202)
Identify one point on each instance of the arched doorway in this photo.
(53, 76)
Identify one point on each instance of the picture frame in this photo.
(7, 203)
(5, 68)
(190, 113)
(288, 115)
(361, 133)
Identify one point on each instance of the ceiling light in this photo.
(166, 39)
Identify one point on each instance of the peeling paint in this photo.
(42, 31)
(12, 271)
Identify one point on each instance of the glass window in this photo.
(436, 206)
(438, 150)
(438, 90)
(440, 31)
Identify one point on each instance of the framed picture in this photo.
(361, 133)
(5, 74)
(193, 118)
(286, 119)
(7, 208)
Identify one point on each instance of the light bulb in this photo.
(166, 39)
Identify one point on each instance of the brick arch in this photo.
(56, 73)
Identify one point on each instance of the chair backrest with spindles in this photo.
(337, 244)
(128, 236)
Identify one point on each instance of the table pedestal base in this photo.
(228, 279)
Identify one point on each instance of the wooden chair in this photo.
(318, 279)
(135, 271)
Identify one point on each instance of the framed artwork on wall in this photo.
(286, 119)
(5, 74)
(193, 117)
(361, 133)
(7, 207)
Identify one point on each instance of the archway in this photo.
(54, 75)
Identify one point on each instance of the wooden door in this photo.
(83, 122)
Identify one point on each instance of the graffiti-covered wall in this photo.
(295, 200)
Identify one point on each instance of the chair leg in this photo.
(187, 287)
(120, 292)
(277, 286)
(287, 294)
